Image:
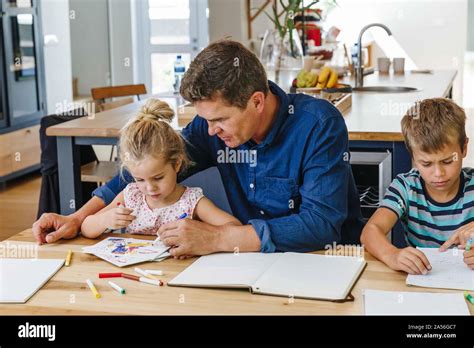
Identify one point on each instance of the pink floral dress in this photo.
(149, 220)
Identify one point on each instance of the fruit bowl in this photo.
(339, 88)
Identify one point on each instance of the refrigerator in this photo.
(22, 90)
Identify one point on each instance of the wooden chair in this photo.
(103, 171)
(101, 94)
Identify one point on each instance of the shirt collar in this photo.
(281, 116)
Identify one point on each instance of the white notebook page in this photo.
(310, 276)
(448, 271)
(226, 269)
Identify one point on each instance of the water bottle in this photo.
(354, 54)
(179, 69)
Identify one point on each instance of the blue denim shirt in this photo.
(299, 194)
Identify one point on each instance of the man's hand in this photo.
(190, 237)
(460, 237)
(409, 260)
(51, 227)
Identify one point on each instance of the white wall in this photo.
(90, 44)
(470, 24)
(57, 56)
(101, 37)
(120, 34)
(227, 18)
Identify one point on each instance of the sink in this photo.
(384, 89)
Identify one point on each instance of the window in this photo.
(167, 29)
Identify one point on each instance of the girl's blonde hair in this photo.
(150, 134)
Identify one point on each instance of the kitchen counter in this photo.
(376, 116)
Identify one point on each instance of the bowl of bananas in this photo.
(313, 82)
(324, 85)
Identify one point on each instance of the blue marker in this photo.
(184, 216)
(469, 244)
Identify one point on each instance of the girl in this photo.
(153, 153)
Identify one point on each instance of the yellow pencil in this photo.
(68, 257)
(93, 289)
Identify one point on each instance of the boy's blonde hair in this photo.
(150, 134)
(433, 123)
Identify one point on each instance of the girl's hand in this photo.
(409, 260)
(117, 218)
(460, 237)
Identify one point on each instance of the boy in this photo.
(435, 200)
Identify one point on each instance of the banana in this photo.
(332, 80)
(324, 75)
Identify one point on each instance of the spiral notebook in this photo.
(309, 276)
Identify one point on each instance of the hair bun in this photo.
(156, 109)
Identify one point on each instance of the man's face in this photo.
(234, 126)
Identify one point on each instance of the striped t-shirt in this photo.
(426, 222)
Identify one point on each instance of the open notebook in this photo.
(22, 278)
(281, 274)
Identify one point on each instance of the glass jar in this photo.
(281, 58)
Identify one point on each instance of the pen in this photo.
(142, 279)
(145, 274)
(68, 257)
(182, 216)
(110, 275)
(116, 287)
(468, 244)
(93, 289)
(469, 297)
(154, 272)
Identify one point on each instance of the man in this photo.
(297, 193)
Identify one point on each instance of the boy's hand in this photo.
(409, 260)
(117, 218)
(469, 258)
(460, 237)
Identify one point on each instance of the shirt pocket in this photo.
(278, 196)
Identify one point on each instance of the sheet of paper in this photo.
(377, 302)
(449, 271)
(128, 251)
(21, 278)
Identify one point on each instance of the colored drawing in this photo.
(128, 251)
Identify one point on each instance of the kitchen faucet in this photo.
(359, 70)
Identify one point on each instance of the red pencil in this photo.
(110, 275)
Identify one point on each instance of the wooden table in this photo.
(67, 291)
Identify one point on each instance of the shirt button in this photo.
(262, 212)
(252, 186)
